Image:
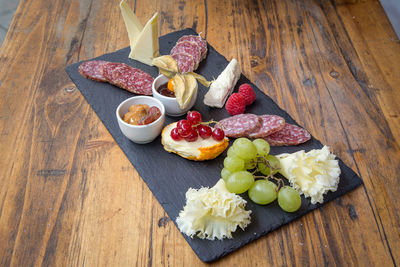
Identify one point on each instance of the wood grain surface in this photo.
(69, 196)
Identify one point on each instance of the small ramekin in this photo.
(171, 104)
(141, 134)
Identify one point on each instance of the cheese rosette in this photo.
(313, 173)
(213, 213)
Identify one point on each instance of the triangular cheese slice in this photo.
(132, 23)
(145, 47)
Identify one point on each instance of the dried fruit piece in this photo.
(135, 113)
(152, 115)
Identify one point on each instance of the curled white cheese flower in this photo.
(212, 213)
(313, 173)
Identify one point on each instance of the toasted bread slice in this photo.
(201, 149)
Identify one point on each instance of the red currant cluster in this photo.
(193, 127)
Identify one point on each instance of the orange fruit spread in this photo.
(201, 149)
(170, 85)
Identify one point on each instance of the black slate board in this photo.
(169, 176)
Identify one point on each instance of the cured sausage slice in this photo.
(188, 52)
(270, 124)
(185, 62)
(240, 125)
(132, 79)
(289, 135)
(189, 47)
(120, 74)
(200, 41)
(92, 70)
(108, 68)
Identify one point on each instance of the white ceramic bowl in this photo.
(171, 104)
(140, 134)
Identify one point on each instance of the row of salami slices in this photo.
(188, 52)
(119, 74)
(272, 128)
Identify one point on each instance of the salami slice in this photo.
(92, 70)
(119, 74)
(270, 125)
(108, 68)
(200, 41)
(188, 47)
(240, 125)
(133, 80)
(185, 62)
(289, 135)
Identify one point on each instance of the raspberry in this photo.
(235, 104)
(247, 92)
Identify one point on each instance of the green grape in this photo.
(244, 148)
(263, 192)
(231, 152)
(233, 164)
(225, 174)
(262, 147)
(289, 199)
(250, 164)
(273, 161)
(239, 182)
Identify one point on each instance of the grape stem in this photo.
(209, 122)
(270, 176)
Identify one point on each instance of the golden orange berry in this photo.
(170, 85)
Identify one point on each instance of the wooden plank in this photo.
(378, 156)
(298, 76)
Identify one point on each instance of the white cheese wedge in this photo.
(223, 86)
(313, 173)
(213, 213)
(132, 23)
(145, 47)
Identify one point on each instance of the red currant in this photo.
(204, 131)
(218, 134)
(192, 136)
(175, 134)
(184, 127)
(194, 117)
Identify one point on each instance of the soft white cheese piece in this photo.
(313, 173)
(223, 86)
(212, 213)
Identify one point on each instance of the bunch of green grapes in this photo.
(245, 155)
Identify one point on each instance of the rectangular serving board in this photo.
(169, 176)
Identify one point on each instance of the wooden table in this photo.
(69, 196)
